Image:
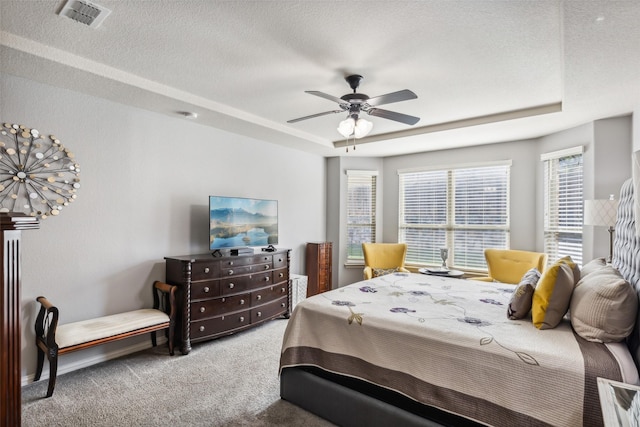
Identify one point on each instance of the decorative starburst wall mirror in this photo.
(38, 175)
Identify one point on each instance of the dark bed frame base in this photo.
(335, 399)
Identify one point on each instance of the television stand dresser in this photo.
(218, 296)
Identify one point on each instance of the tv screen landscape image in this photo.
(236, 222)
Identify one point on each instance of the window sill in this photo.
(354, 264)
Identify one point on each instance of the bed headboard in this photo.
(626, 255)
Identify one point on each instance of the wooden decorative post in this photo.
(11, 226)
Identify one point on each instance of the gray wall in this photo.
(146, 178)
(145, 182)
(523, 170)
(607, 164)
(607, 150)
(337, 212)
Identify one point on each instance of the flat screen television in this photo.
(237, 222)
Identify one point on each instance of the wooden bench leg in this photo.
(153, 339)
(171, 335)
(154, 342)
(53, 371)
(40, 363)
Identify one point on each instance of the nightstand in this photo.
(620, 402)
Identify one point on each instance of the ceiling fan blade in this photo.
(314, 115)
(401, 95)
(392, 115)
(327, 96)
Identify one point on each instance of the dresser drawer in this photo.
(271, 293)
(205, 289)
(234, 285)
(219, 306)
(279, 260)
(281, 275)
(246, 260)
(217, 325)
(204, 270)
(244, 269)
(269, 310)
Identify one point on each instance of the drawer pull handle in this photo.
(281, 274)
(241, 302)
(231, 285)
(283, 290)
(283, 305)
(230, 262)
(202, 309)
(206, 269)
(259, 314)
(266, 279)
(201, 328)
(206, 289)
(279, 259)
(259, 297)
(242, 318)
(266, 266)
(230, 272)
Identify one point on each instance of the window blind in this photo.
(465, 209)
(563, 204)
(361, 212)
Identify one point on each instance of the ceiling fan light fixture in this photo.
(346, 127)
(355, 126)
(363, 127)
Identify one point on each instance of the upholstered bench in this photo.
(53, 339)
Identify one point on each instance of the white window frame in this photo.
(362, 179)
(426, 251)
(563, 209)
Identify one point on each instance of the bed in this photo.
(416, 350)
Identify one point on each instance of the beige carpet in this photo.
(232, 381)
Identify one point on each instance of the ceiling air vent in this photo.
(85, 12)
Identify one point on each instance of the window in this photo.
(361, 212)
(465, 209)
(563, 204)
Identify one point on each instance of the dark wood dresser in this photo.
(220, 296)
(318, 265)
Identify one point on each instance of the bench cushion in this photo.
(108, 326)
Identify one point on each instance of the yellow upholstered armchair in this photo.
(508, 266)
(383, 256)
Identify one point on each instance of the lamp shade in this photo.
(600, 212)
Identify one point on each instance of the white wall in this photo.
(145, 182)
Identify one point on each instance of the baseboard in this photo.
(65, 368)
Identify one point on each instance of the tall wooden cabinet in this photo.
(11, 226)
(318, 263)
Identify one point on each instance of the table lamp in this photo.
(602, 213)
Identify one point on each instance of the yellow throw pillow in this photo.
(552, 295)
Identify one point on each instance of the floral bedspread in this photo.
(448, 343)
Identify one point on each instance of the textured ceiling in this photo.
(484, 71)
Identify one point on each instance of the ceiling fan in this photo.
(356, 103)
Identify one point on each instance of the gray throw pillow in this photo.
(603, 306)
(593, 265)
(520, 303)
